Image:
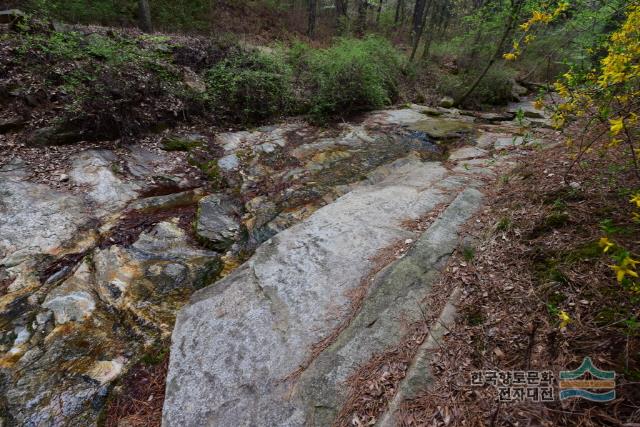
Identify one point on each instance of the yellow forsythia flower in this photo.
(538, 104)
(564, 319)
(626, 268)
(509, 56)
(635, 199)
(617, 125)
(605, 244)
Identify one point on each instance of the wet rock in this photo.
(217, 221)
(118, 301)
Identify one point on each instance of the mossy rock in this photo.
(182, 143)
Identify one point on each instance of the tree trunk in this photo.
(311, 28)
(361, 25)
(418, 13)
(516, 7)
(399, 6)
(379, 12)
(422, 21)
(145, 16)
(342, 7)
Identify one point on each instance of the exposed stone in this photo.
(34, 218)
(528, 109)
(508, 141)
(442, 128)
(381, 323)
(52, 136)
(11, 15)
(229, 163)
(256, 327)
(170, 201)
(467, 153)
(97, 170)
(72, 301)
(217, 221)
(446, 102)
(193, 81)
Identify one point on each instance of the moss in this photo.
(504, 224)
(155, 356)
(208, 274)
(556, 220)
(213, 174)
(178, 144)
(468, 253)
(589, 251)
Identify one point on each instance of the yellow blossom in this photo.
(605, 244)
(565, 319)
(538, 104)
(635, 199)
(626, 268)
(509, 56)
(617, 125)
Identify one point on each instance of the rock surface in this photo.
(218, 221)
(290, 295)
(247, 350)
(97, 260)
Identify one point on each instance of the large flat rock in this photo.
(237, 341)
(393, 303)
(37, 219)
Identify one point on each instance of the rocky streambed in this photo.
(93, 274)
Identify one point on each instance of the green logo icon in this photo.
(571, 384)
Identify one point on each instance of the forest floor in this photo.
(537, 257)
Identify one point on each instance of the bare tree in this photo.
(361, 24)
(399, 11)
(418, 17)
(145, 16)
(515, 9)
(311, 28)
(419, 24)
(342, 8)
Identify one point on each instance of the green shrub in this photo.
(494, 89)
(250, 86)
(353, 75)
